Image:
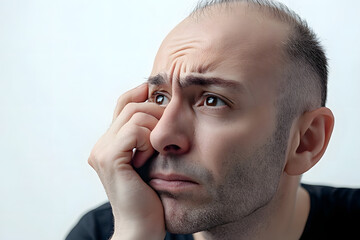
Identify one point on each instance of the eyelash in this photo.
(224, 101)
(217, 100)
(155, 94)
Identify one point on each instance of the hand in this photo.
(137, 209)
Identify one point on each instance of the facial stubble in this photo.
(248, 185)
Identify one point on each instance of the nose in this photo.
(173, 132)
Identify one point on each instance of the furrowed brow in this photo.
(207, 81)
(156, 80)
(192, 80)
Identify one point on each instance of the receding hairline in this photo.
(303, 55)
(266, 9)
(272, 9)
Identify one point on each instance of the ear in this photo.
(309, 139)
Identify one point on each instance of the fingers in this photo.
(130, 130)
(112, 158)
(132, 124)
(141, 157)
(138, 94)
(133, 109)
(115, 149)
(136, 132)
(143, 120)
(141, 139)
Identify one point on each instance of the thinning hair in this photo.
(304, 84)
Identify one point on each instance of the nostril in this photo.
(171, 147)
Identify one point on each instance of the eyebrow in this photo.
(191, 80)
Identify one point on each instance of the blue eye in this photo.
(213, 101)
(161, 99)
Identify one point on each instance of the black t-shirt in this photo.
(334, 214)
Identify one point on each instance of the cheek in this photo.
(223, 144)
(213, 149)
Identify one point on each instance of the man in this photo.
(213, 146)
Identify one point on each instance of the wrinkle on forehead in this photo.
(181, 45)
(182, 51)
(240, 42)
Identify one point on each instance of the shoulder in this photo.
(96, 224)
(333, 211)
(344, 199)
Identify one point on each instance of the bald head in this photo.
(242, 34)
(304, 85)
(253, 40)
(229, 79)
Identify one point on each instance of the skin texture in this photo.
(219, 146)
(210, 156)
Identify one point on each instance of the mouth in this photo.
(171, 182)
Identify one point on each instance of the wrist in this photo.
(137, 236)
(139, 232)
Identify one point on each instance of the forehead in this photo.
(238, 43)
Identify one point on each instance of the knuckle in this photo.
(91, 161)
(129, 108)
(120, 99)
(138, 116)
(129, 129)
(97, 159)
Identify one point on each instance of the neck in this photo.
(284, 217)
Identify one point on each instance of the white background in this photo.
(63, 64)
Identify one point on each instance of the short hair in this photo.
(304, 86)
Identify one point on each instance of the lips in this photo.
(170, 177)
(171, 182)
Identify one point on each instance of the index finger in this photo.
(138, 94)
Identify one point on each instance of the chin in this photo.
(180, 227)
(180, 219)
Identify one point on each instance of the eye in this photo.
(160, 99)
(213, 101)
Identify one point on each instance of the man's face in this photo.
(218, 158)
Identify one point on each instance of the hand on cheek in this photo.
(137, 210)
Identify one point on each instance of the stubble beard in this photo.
(236, 200)
(250, 184)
